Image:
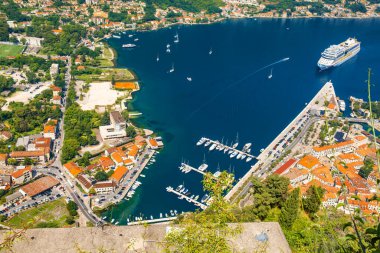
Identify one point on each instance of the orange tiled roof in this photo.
(153, 142)
(128, 162)
(55, 88)
(324, 174)
(3, 157)
(331, 106)
(20, 172)
(329, 195)
(49, 129)
(133, 151)
(106, 162)
(295, 173)
(116, 156)
(337, 145)
(119, 173)
(73, 168)
(27, 153)
(308, 161)
(360, 137)
(364, 150)
(348, 156)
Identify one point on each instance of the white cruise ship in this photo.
(335, 55)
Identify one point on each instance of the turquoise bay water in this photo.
(227, 95)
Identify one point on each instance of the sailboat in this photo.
(210, 52)
(176, 38)
(172, 69)
(158, 58)
(189, 79)
(271, 74)
(237, 141)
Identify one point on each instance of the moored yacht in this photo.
(129, 45)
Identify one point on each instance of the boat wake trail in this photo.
(233, 84)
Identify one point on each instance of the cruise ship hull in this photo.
(340, 60)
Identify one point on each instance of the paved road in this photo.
(57, 162)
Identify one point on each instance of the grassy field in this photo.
(106, 58)
(107, 74)
(54, 212)
(10, 50)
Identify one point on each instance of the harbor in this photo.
(258, 108)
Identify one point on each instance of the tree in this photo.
(47, 94)
(32, 77)
(131, 132)
(70, 220)
(277, 188)
(313, 199)
(366, 169)
(12, 161)
(4, 30)
(3, 218)
(28, 161)
(6, 83)
(69, 149)
(85, 160)
(105, 119)
(101, 176)
(72, 207)
(206, 231)
(290, 209)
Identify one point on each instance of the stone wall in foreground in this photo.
(138, 239)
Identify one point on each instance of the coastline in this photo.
(141, 57)
(233, 18)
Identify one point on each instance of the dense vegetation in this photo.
(4, 30)
(375, 108)
(356, 7)
(211, 6)
(6, 83)
(307, 227)
(12, 11)
(24, 119)
(286, 5)
(78, 130)
(61, 44)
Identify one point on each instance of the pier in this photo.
(183, 196)
(185, 168)
(151, 221)
(233, 152)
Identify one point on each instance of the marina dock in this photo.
(185, 168)
(231, 151)
(183, 196)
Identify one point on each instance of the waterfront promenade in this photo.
(266, 157)
(124, 188)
